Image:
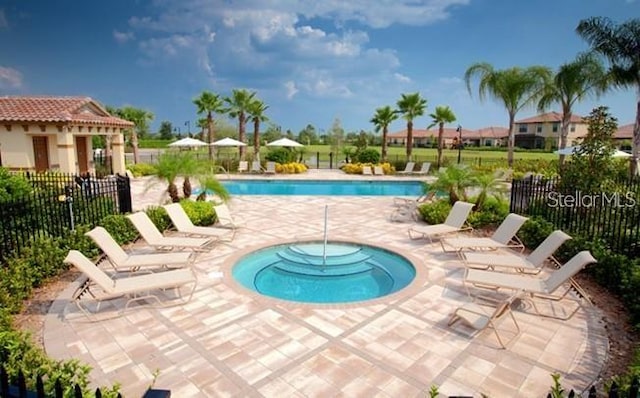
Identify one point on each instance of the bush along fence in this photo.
(612, 216)
(19, 389)
(57, 203)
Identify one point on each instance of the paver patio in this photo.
(230, 342)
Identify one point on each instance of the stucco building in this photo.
(55, 133)
(542, 131)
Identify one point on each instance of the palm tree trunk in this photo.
(385, 131)
(210, 136)
(186, 187)
(134, 144)
(409, 139)
(256, 140)
(173, 193)
(635, 148)
(511, 140)
(107, 153)
(241, 123)
(440, 143)
(564, 134)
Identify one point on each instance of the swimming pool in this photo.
(310, 272)
(333, 188)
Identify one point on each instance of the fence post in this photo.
(318, 160)
(331, 160)
(124, 194)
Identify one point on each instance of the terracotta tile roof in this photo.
(624, 132)
(450, 133)
(550, 117)
(490, 132)
(68, 110)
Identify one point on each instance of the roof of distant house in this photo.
(550, 117)
(624, 132)
(66, 110)
(451, 133)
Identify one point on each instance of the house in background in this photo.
(542, 131)
(623, 137)
(55, 133)
(490, 136)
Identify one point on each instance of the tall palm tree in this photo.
(140, 118)
(202, 124)
(256, 115)
(514, 87)
(619, 44)
(383, 117)
(440, 117)
(411, 106)
(239, 103)
(574, 81)
(209, 103)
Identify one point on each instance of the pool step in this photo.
(319, 270)
(318, 250)
(303, 260)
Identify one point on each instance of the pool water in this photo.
(306, 272)
(337, 188)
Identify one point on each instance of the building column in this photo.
(117, 146)
(66, 151)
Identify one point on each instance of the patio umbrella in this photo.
(228, 142)
(570, 150)
(286, 143)
(188, 143)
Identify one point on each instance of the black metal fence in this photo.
(612, 216)
(18, 389)
(57, 204)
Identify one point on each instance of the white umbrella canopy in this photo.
(228, 142)
(188, 143)
(570, 150)
(285, 142)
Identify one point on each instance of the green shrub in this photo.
(435, 212)
(534, 231)
(159, 216)
(142, 169)
(120, 228)
(13, 186)
(200, 213)
(281, 155)
(368, 155)
(492, 214)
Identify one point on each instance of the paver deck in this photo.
(230, 342)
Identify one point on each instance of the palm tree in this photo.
(411, 106)
(140, 118)
(573, 82)
(619, 44)
(442, 115)
(514, 87)
(256, 115)
(454, 180)
(488, 184)
(202, 124)
(383, 117)
(167, 169)
(209, 103)
(239, 104)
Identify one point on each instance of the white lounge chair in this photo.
(121, 261)
(454, 223)
(424, 198)
(136, 287)
(366, 170)
(271, 168)
(408, 169)
(503, 237)
(153, 237)
(481, 317)
(183, 224)
(224, 217)
(243, 166)
(531, 264)
(256, 167)
(378, 171)
(424, 169)
(535, 287)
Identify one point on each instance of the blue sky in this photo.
(310, 61)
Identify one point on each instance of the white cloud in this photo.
(4, 23)
(402, 78)
(10, 77)
(450, 80)
(291, 88)
(123, 37)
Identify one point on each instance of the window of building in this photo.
(522, 128)
(573, 127)
(539, 127)
(555, 127)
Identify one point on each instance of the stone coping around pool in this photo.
(412, 288)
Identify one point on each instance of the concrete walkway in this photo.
(228, 342)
